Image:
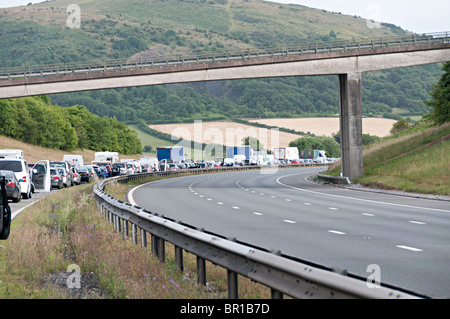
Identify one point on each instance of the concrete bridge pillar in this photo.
(350, 104)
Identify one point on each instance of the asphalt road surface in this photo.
(408, 239)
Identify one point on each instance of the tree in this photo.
(253, 142)
(328, 144)
(399, 126)
(440, 98)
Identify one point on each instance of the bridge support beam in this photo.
(350, 104)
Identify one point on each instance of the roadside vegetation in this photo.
(412, 160)
(66, 228)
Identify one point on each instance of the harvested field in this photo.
(226, 133)
(329, 125)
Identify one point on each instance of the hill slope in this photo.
(117, 28)
(413, 161)
(38, 34)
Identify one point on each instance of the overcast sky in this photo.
(413, 15)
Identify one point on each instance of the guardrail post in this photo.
(119, 223)
(143, 238)
(275, 294)
(201, 271)
(154, 245)
(179, 258)
(126, 232)
(232, 279)
(134, 233)
(161, 249)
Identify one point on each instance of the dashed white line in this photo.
(257, 213)
(307, 204)
(289, 221)
(336, 232)
(417, 222)
(409, 248)
(333, 208)
(236, 207)
(367, 214)
(288, 200)
(220, 203)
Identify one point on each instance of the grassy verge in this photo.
(414, 161)
(66, 228)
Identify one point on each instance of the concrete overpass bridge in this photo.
(346, 59)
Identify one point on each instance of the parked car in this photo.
(12, 186)
(76, 175)
(65, 176)
(122, 167)
(56, 178)
(20, 169)
(68, 178)
(91, 171)
(85, 174)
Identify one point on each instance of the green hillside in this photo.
(415, 160)
(38, 34)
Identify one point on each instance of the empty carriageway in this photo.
(346, 59)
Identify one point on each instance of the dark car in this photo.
(12, 186)
(56, 178)
(85, 174)
(5, 212)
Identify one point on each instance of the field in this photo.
(226, 133)
(330, 125)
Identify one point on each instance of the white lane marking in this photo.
(367, 214)
(288, 200)
(261, 193)
(209, 199)
(353, 198)
(236, 207)
(201, 196)
(336, 232)
(273, 196)
(333, 208)
(289, 221)
(307, 204)
(258, 214)
(409, 248)
(417, 222)
(220, 203)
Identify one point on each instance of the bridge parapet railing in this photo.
(284, 275)
(308, 48)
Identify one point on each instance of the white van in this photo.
(74, 160)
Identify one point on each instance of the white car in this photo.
(20, 169)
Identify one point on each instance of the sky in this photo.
(418, 16)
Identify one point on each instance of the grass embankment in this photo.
(66, 228)
(416, 160)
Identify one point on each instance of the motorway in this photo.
(407, 238)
